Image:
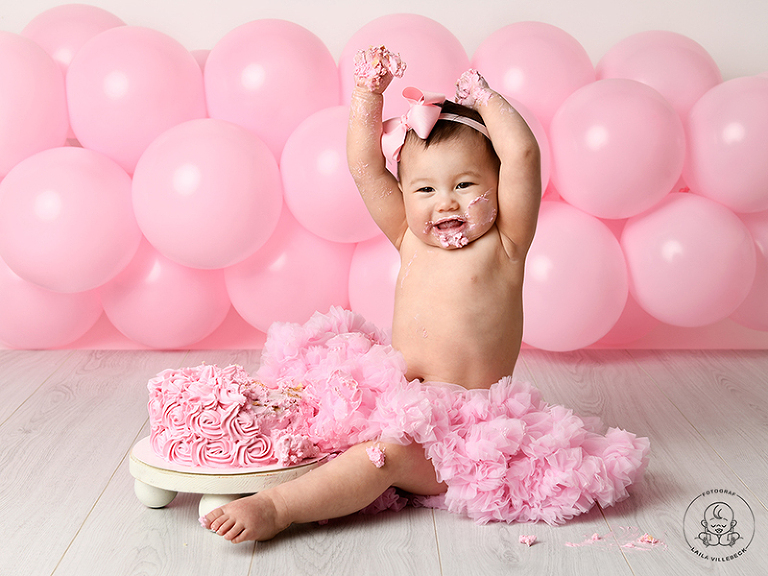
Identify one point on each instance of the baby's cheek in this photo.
(482, 211)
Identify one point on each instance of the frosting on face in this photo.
(457, 231)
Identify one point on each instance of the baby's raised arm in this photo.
(374, 70)
(519, 193)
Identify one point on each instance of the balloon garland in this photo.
(163, 187)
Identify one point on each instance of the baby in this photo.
(462, 213)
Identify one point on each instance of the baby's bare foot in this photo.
(252, 518)
(376, 67)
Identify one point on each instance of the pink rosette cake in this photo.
(214, 417)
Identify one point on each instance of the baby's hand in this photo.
(376, 67)
(472, 90)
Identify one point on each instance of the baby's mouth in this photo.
(451, 224)
(450, 231)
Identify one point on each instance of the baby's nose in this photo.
(447, 201)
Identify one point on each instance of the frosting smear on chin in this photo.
(454, 231)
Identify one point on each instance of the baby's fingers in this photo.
(376, 67)
(472, 90)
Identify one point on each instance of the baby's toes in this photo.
(213, 520)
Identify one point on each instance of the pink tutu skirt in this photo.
(503, 452)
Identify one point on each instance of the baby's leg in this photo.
(345, 485)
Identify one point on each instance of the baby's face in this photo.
(449, 191)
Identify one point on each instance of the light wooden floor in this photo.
(69, 418)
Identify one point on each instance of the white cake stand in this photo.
(157, 482)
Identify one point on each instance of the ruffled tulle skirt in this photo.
(504, 453)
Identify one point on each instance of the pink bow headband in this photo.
(421, 117)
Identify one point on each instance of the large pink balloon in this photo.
(268, 76)
(292, 276)
(617, 148)
(161, 304)
(753, 312)
(33, 105)
(33, 317)
(66, 219)
(372, 280)
(679, 68)
(319, 189)
(434, 57)
(633, 324)
(62, 30)
(575, 280)
(728, 144)
(536, 63)
(128, 85)
(207, 193)
(691, 260)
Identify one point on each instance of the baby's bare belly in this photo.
(459, 313)
(469, 348)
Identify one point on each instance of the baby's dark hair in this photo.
(445, 130)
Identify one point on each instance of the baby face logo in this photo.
(719, 525)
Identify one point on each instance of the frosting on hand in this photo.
(472, 90)
(376, 67)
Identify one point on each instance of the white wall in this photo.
(733, 32)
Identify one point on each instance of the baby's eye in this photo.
(426, 189)
(463, 185)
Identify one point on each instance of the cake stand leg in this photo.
(152, 496)
(210, 502)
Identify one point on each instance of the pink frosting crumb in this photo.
(648, 539)
(625, 537)
(376, 455)
(471, 89)
(527, 539)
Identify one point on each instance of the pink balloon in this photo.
(575, 280)
(127, 86)
(679, 68)
(207, 193)
(66, 220)
(62, 30)
(33, 105)
(292, 276)
(268, 76)
(728, 142)
(319, 190)
(536, 63)
(633, 324)
(201, 57)
(691, 260)
(434, 57)
(161, 304)
(35, 318)
(372, 280)
(753, 312)
(617, 148)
